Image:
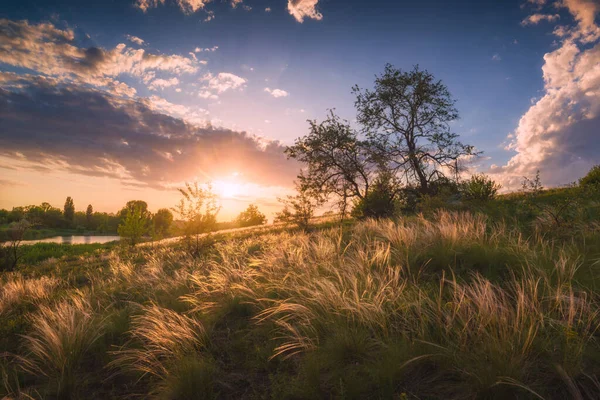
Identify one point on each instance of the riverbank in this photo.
(44, 233)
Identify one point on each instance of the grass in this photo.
(450, 305)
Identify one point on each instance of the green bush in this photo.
(480, 187)
(380, 202)
(592, 178)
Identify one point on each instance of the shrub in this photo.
(592, 178)
(480, 187)
(379, 202)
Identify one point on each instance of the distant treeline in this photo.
(162, 223)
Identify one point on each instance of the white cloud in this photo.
(163, 83)
(496, 57)
(277, 92)
(301, 9)
(50, 51)
(223, 82)
(135, 39)
(559, 133)
(206, 49)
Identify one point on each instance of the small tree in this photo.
(198, 208)
(480, 187)
(69, 210)
(10, 251)
(251, 217)
(89, 212)
(162, 221)
(592, 178)
(134, 226)
(298, 209)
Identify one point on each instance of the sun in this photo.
(227, 188)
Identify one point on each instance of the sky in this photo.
(111, 101)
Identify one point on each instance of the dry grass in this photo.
(447, 307)
(18, 289)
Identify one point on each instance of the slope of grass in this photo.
(451, 306)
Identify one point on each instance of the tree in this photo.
(298, 209)
(251, 217)
(592, 178)
(134, 226)
(131, 206)
(162, 221)
(69, 210)
(89, 212)
(198, 208)
(406, 119)
(338, 162)
(10, 252)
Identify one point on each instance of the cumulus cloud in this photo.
(301, 9)
(223, 82)
(135, 39)
(277, 92)
(133, 141)
(535, 19)
(559, 133)
(51, 51)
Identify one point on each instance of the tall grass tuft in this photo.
(59, 340)
(165, 346)
(18, 289)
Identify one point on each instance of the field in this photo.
(449, 304)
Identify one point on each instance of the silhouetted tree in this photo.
(406, 119)
(10, 251)
(251, 217)
(338, 162)
(198, 208)
(298, 209)
(162, 221)
(69, 210)
(89, 212)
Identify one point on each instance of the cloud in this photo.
(75, 128)
(187, 6)
(223, 82)
(207, 49)
(268, 9)
(135, 39)
(301, 9)
(163, 83)
(496, 57)
(51, 51)
(535, 19)
(559, 133)
(277, 92)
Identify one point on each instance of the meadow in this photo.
(445, 304)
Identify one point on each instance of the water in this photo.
(74, 240)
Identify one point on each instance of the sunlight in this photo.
(227, 189)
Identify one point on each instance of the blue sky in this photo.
(486, 52)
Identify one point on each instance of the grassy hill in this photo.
(466, 300)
